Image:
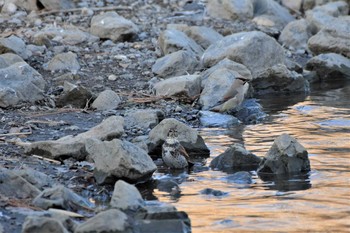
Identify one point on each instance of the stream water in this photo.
(317, 202)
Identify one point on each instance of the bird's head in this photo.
(172, 133)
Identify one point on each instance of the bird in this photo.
(233, 97)
(174, 154)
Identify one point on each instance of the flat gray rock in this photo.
(64, 61)
(230, 9)
(172, 40)
(143, 118)
(256, 50)
(213, 119)
(175, 64)
(118, 159)
(106, 100)
(40, 224)
(186, 87)
(14, 44)
(296, 34)
(112, 26)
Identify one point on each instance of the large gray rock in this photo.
(186, 87)
(118, 159)
(329, 66)
(188, 137)
(296, 34)
(61, 197)
(226, 64)
(65, 35)
(19, 82)
(175, 64)
(14, 186)
(64, 61)
(14, 44)
(8, 59)
(111, 220)
(230, 9)
(217, 120)
(106, 100)
(112, 26)
(278, 79)
(334, 39)
(42, 224)
(204, 36)
(256, 50)
(143, 118)
(235, 157)
(220, 86)
(74, 146)
(173, 40)
(269, 13)
(286, 155)
(126, 197)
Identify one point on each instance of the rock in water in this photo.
(286, 155)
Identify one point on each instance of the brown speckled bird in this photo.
(174, 154)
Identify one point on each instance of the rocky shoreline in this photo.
(89, 90)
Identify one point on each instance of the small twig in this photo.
(47, 159)
(17, 134)
(61, 110)
(113, 8)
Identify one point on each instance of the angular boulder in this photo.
(278, 79)
(188, 137)
(186, 87)
(19, 82)
(41, 224)
(106, 100)
(64, 61)
(126, 197)
(236, 157)
(230, 9)
(172, 40)
(256, 50)
(112, 26)
(175, 64)
(143, 118)
(118, 159)
(286, 155)
(330, 66)
(111, 220)
(74, 146)
(296, 34)
(14, 44)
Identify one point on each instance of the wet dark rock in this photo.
(112, 26)
(14, 44)
(286, 155)
(235, 157)
(41, 224)
(61, 197)
(204, 36)
(213, 119)
(74, 146)
(76, 96)
(330, 66)
(296, 34)
(173, 40)
(250, 112)
(64, 61)
(186, 87)
(256, 50)
(230, 9)
(269, 13)
(106, 100)
(278, 79)
(242, 177)
(286, 182)
(14, 185)
(188, 137)
(126, 197)
(143, 118)
(168, 185)
(119, 159)
(213, 192)
(19, 82)
(175, 64)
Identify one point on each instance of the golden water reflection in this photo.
(321, 127)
